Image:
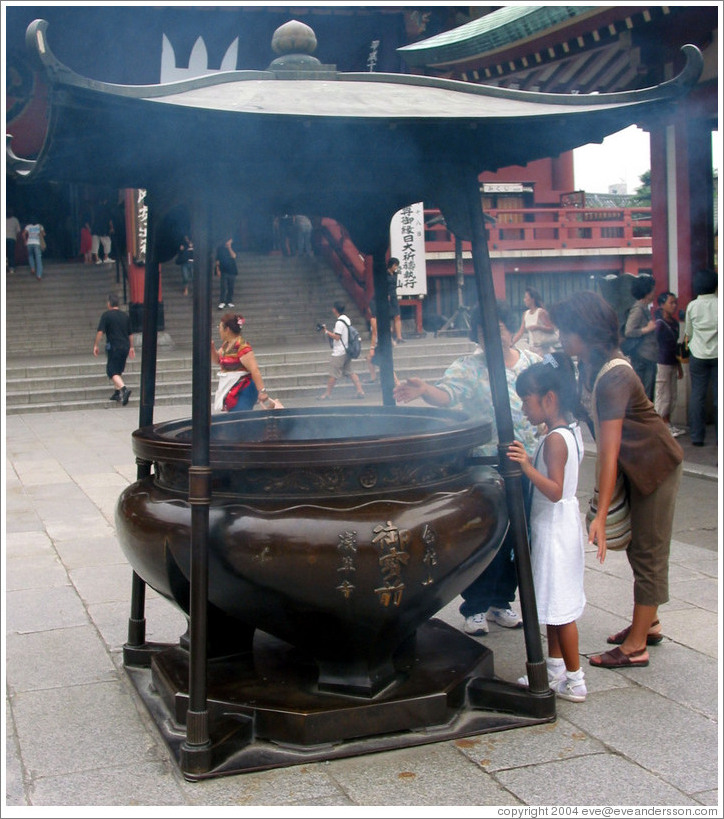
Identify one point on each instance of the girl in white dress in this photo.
(548, 392)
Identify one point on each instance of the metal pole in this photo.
(196, 748)
(511, 472)
(149, 348)
(384, 338)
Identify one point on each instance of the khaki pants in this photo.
(652, 519)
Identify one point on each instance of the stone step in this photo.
(302, 292)
(287, 374)
(283, 299)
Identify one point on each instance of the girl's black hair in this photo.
(555, 373)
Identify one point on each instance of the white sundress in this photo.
(558, 540)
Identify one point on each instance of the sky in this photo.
(621, 157)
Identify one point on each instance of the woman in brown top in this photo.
(632, 437)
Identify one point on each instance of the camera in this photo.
(319, 327)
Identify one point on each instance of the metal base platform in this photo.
(265, 710)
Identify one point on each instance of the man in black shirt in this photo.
(119, 346)
(226, 269)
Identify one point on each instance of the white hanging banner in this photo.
(407, 243)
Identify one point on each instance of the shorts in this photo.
(394, 306)
(340, 366)
(116, 362)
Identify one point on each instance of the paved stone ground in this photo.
(77, 733)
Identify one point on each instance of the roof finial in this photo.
(294, 38)
(294, 42)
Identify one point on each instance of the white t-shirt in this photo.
(34, 234)
(341, 328)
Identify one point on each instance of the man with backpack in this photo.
(343, 349)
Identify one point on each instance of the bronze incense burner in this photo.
(337, 531)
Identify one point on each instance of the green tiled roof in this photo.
(499, 28)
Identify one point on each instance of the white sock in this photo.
(554, 667)
(575, 676)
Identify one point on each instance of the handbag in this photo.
(618, 517)
(630, 345)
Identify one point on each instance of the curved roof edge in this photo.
(678, 85)
(59, 74)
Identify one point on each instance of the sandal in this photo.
(652, 638)
(615, 658)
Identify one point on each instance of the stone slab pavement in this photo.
(77, 734)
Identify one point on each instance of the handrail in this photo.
(552, 228)
(353, 269)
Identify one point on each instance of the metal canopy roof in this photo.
(303, 136)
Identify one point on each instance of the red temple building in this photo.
(545, 232)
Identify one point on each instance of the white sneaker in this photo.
(230, 304)
(476, 624)
(221, 305)
(676, 431)
(506, 618)
(573, 690)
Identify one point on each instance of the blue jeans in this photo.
(646, 371)
(35, 260)
(702, 372)
(495, 586)
(227, 289)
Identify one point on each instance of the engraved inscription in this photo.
(429, 538)
(392, 542)
(347, 548)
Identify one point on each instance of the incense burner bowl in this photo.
(337, 530)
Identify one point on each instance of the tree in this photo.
(642, 194)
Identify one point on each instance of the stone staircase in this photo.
(282, 299)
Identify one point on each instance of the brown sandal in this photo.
(615, 658)
(652, 638)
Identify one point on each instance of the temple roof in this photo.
(487, 34)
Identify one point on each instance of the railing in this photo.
(352, 268)
(552, 229)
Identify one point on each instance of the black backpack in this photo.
(354, 342)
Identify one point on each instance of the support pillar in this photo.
(382, 310)
(136, 651)
(511, 472)
(196, 750)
